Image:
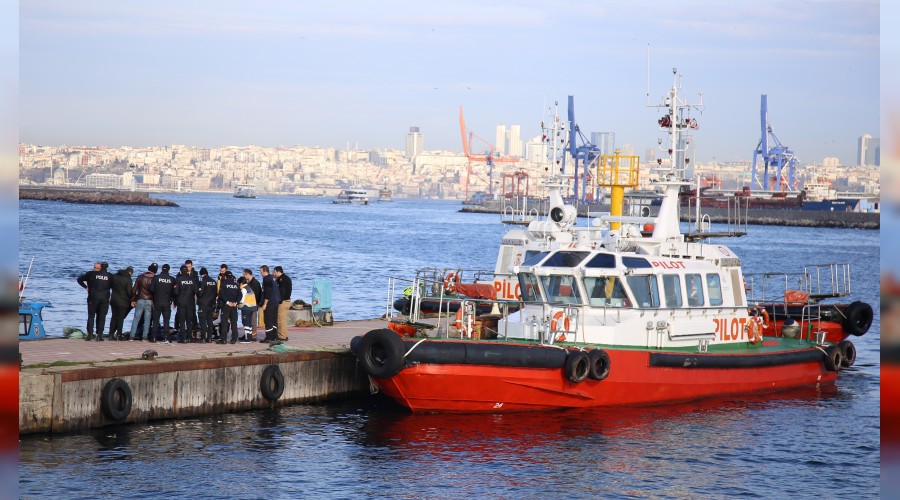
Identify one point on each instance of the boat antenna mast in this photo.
(677, 123)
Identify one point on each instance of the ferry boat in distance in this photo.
(245, 191)
(352, 197)
(636, 313)
(385, 194)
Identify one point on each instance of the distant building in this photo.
(103, 181)
(868, 151)
(830, 161)
(606, 141)
(514, 146)
(414, 143)
(500, 142)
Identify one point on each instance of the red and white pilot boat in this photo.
(608, 316)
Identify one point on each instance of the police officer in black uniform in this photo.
(163, 288)
(98, 284)
(229, 296)
(206, 305)
(186, 301)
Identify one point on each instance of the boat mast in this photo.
(672, 176)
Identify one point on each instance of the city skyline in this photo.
(106, 73)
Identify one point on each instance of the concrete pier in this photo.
(62, 381)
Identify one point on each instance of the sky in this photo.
(333, 74)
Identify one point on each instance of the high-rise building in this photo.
(414, 143)
(606, 141)
(514, 147)
(869, 151)
(500, 141)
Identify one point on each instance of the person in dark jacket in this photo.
(163, 288)
(142, 302)
(229, 296)
(269, 304)
(186, 301)
(206, 304)
(196, 277)
(98, 285)
(121, 302)
(284, 287)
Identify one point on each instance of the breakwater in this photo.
(94, 196)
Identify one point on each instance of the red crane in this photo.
(489, 157)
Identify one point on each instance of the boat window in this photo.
(528, 285)
(532, 258)
(635, 262)
(24, 324)
(605, 291)
(714, 289)
(672, 290)
(645, 290)
(562, 289)
(694, 285)
(602, 260)
(565, 259)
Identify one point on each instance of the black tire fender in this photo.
(115, 400)
(833, 358)
(848, 353)
(858, 319)
(381, 353)
(271, 383)
(600, 366)
(578, 366)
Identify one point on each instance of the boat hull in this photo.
(485, 377)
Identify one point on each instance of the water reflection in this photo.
(361, 448)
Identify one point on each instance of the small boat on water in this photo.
(352, 197)
(627, 311)
(245, 191)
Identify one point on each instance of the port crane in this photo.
(777, 159)
(583, 156)
(489, 157)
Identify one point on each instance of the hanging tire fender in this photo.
(833, 358)
(858, 319)
(848, 353)
(600, 366)
(381, 353)
(271, 383)
(578, 366)
(116, 400)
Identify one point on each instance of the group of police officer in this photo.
(196, 298)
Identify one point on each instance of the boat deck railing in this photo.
(735, 220)
(819, 281)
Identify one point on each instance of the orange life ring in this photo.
(754, 330)
(556, 317)
(450, 282)
(465, 330)
(764, 317)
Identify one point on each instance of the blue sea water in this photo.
(802, 443)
